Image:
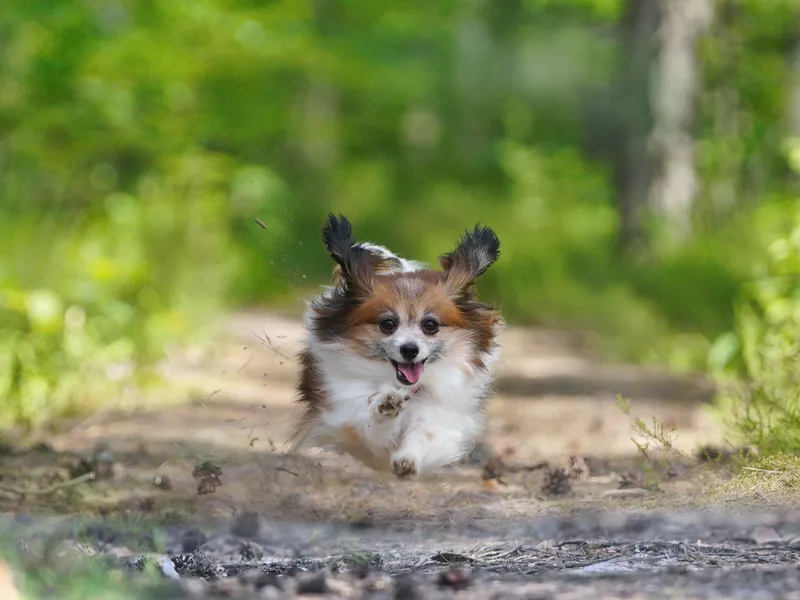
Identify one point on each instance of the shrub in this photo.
(763, 350)
(86, 308)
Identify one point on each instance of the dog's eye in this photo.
(430, 326)
(387, 326)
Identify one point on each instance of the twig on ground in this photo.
(50, 489)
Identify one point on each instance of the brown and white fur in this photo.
(398, 361)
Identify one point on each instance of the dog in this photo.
(397, 365)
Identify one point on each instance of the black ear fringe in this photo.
(355, 262)
(337, 236)
(476, 251)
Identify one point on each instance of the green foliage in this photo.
(763, 348)
(142, 138)
(84, 308)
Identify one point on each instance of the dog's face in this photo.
(412, 319)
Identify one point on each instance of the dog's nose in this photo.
(409, 351)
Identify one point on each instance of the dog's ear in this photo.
(354, 262)
(476, 251)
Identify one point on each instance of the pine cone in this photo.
(557, 482)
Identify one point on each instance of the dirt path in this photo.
(510, 515)
(241, 414)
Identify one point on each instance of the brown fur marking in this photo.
(309, 393)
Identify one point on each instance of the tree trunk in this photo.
(319, 106)
(675, 85)
(633, 166)
(646, 116)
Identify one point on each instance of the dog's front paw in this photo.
(391, 405)
(388, 404)
(404, 468)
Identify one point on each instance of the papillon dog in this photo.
(397, 367)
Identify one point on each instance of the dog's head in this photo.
(407, 319)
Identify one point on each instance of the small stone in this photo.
(250, 551)
(455, 579)
(338, 588)
(406, 589)
(361, 571)
(314, 584)
(229, 587)
(162, 482)
(766, 535)
(192, 539)
(168, 568)
(630, 479)
(680, 569)
(146, 504)
(271, 593)
(794, 543)
(633, 492)
(194, 588)
(247, 525)
(264, 580)
(195, 564)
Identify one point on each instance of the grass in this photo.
(773, 479)
(87, 309)
(59, 571)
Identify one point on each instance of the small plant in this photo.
(763, 351)
(655, 444)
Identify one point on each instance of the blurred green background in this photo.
(636, 158)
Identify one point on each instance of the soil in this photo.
(556, 502)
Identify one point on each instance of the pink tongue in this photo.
(412, 373)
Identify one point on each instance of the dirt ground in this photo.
(555, 503)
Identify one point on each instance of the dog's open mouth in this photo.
(409, 373)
